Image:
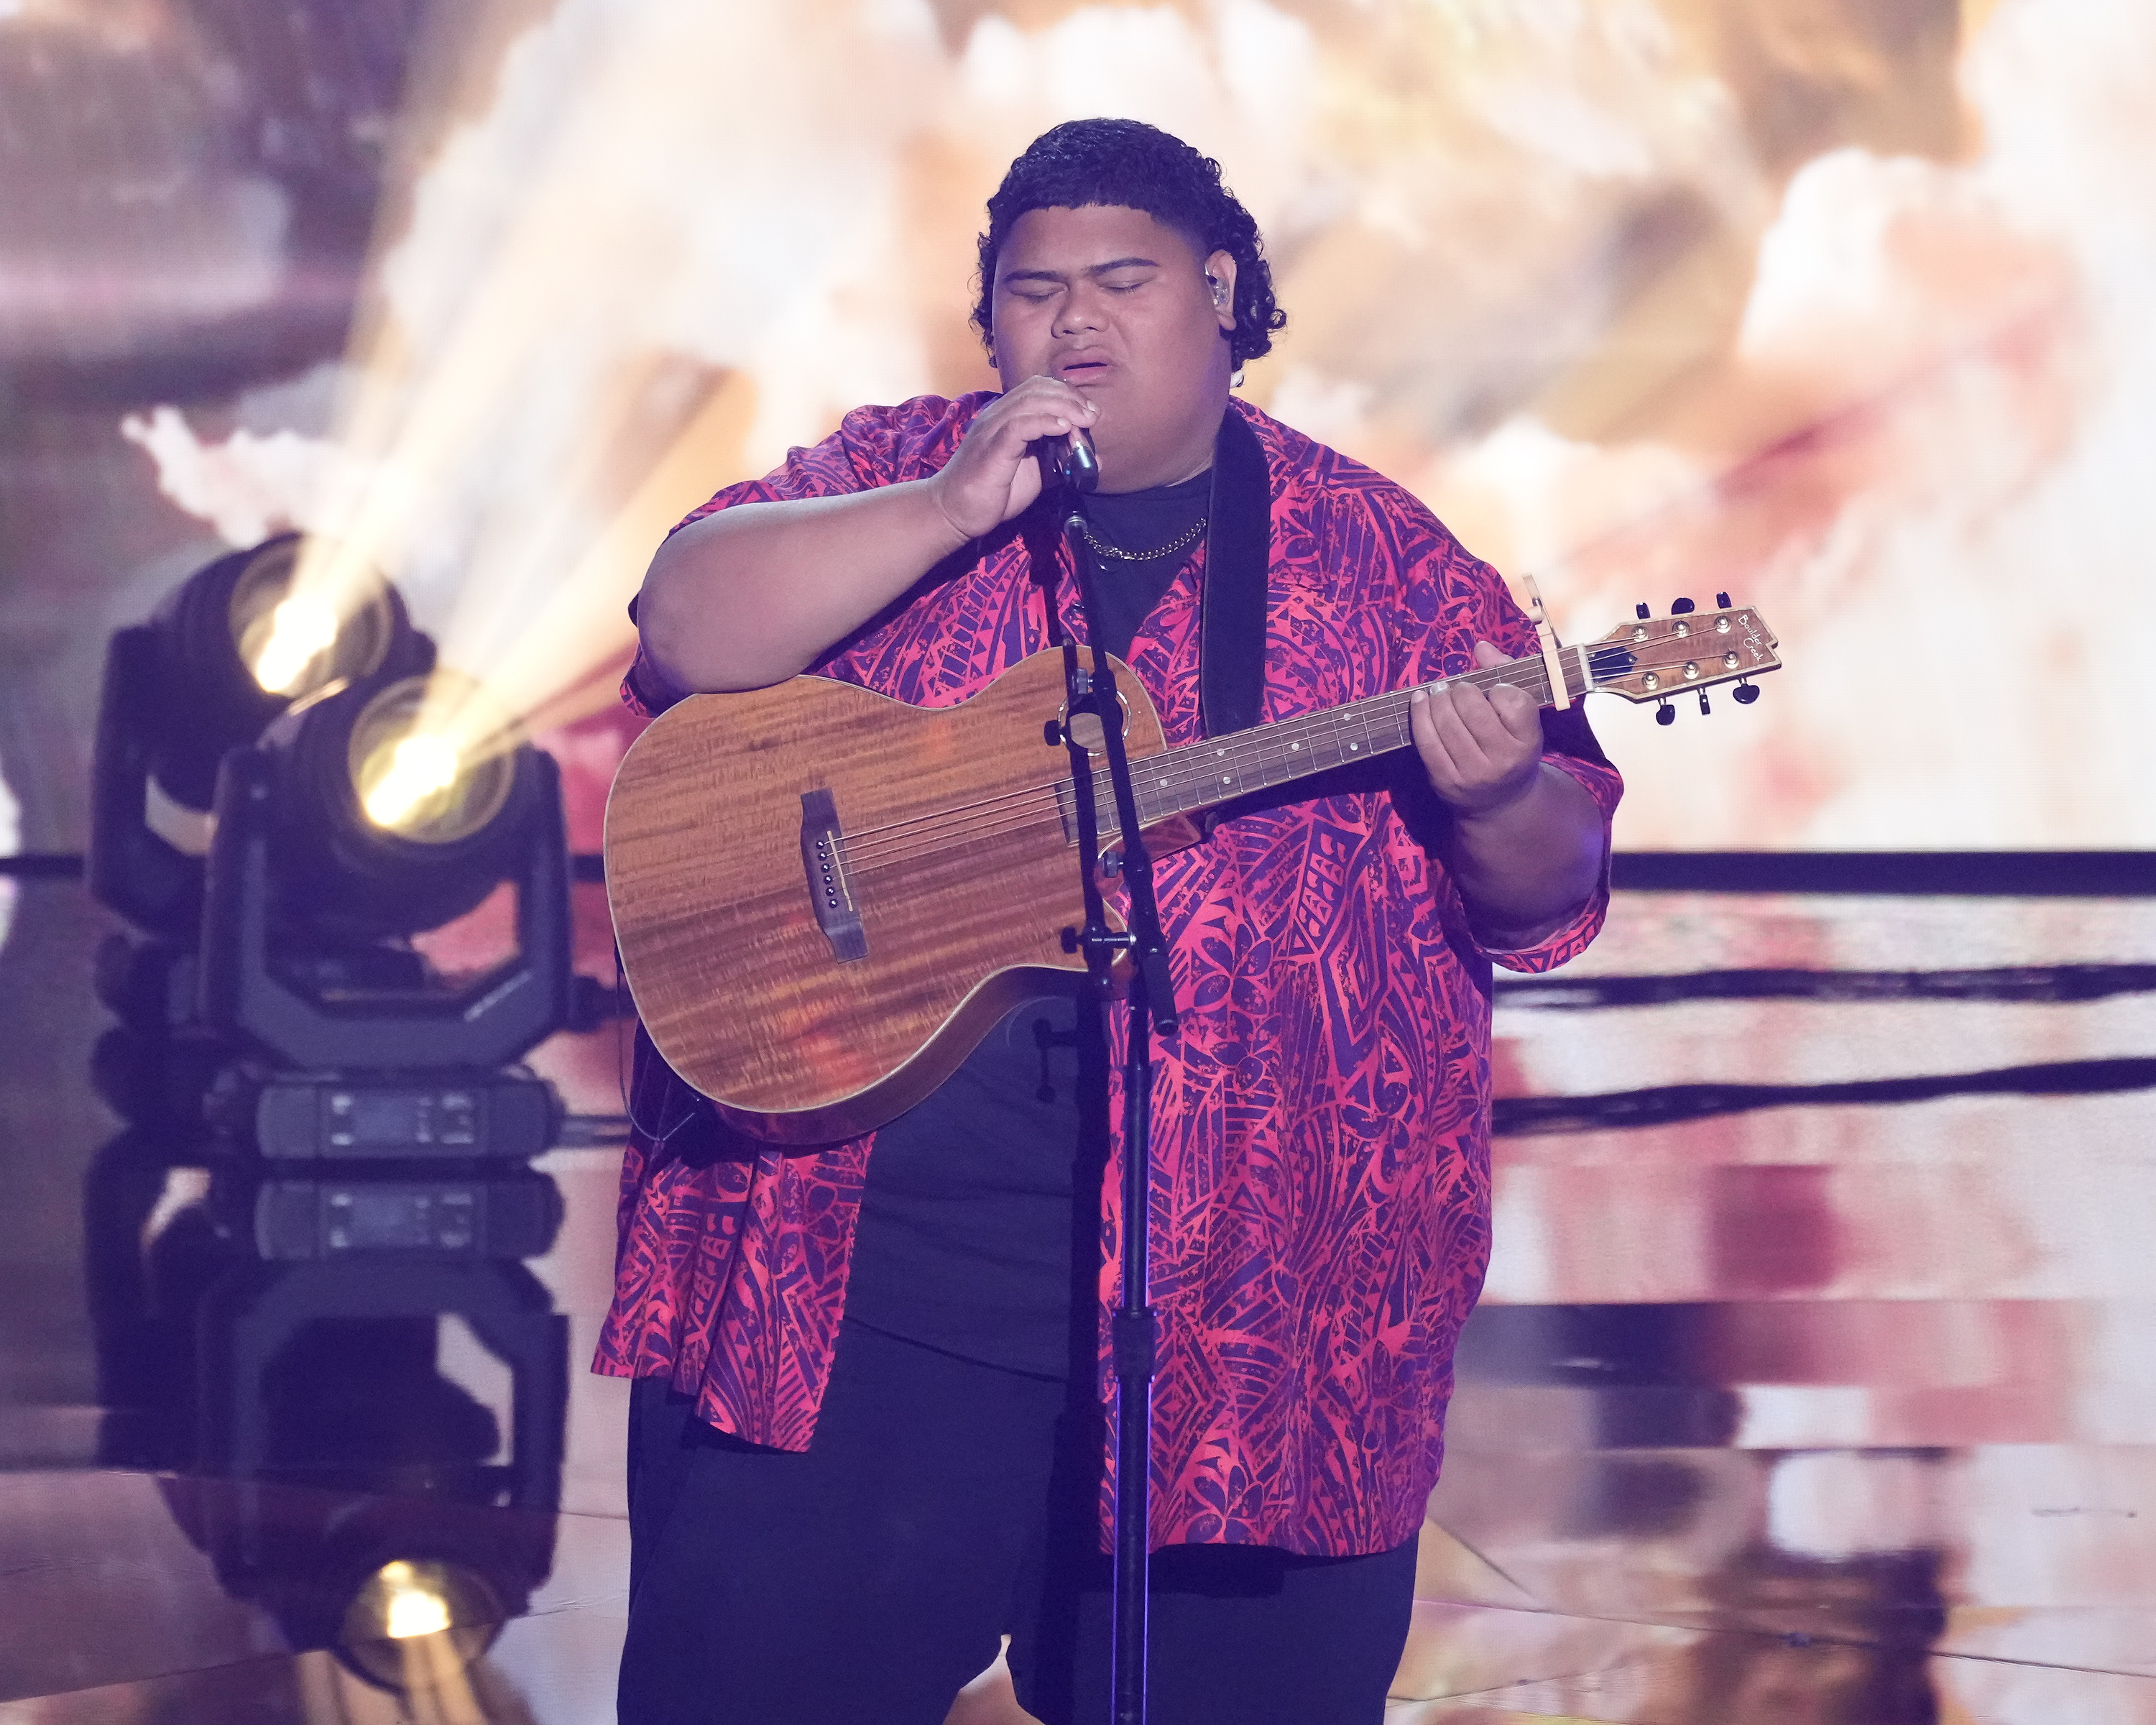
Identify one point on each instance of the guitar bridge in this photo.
(824, 860)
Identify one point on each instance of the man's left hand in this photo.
(1481, 750)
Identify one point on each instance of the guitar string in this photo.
(1258, 745)
(1263, 747)
(1042, 805)
(1246, 752)
(1258, 739)
(1046, 811)
(926, 835)
(1047, 818)
(936, 818)
(902, 842)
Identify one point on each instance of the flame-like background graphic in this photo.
(1840, 309)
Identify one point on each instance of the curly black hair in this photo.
(1139, 167)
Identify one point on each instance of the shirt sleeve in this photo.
(867, 450)
(1572, 937)
(1471, 603)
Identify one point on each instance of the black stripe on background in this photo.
(2035, 983)
(1982, 874)
(1979, 874)
(1540, 1116)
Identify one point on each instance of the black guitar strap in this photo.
(1231, 643)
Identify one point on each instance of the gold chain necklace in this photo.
(1178, 543)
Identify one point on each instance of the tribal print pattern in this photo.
(1322, 1190)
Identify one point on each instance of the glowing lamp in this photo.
(431, 759)
(293, 639)
(299, 633)
(416, 1624)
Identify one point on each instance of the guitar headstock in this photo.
(1657, 657)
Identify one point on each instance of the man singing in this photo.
(866, 1434)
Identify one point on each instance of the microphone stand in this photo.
(1150, 1005)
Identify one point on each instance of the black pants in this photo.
(942, 1504)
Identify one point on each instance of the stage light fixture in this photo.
(395, 809)
(228, 651)
(332, 849)
(404, 1587)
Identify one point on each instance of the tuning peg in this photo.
(1664, 714)
(1680, 608)
(1722, 602)
(1640, 611)
(1703, 708)
(1746, 692)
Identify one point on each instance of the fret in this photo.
(1295, 749)
(1336, 739)
(1224, 775)
(1400, 722)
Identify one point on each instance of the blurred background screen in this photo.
(1835, 306)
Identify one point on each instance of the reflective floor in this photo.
(116, 1612)
(1811, 1383)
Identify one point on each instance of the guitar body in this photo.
(824, 897)
(742, 989)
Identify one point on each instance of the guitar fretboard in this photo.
(1199, 775)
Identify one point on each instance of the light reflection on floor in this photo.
(1833, 1411)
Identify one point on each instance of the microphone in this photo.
(1067, 463)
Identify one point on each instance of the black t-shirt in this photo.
(1140, 521)
(971, 1239)
(966, 1236)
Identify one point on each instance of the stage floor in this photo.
(1825, 1400)
(117, 1613)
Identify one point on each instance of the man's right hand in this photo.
(994, 474)
(751, 595)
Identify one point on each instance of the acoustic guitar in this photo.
(824, 898)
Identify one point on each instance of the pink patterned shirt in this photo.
(1321, 1125)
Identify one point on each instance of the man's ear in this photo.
(1220, 281)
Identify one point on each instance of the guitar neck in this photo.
(1200, 775)
(1650, 660)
